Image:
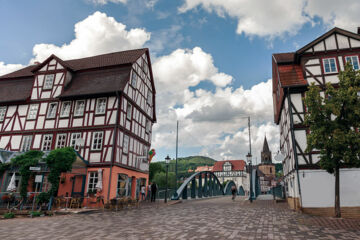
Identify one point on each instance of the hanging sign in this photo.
(35, 168)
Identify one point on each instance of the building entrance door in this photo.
(78, 186)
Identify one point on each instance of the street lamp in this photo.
(248, 157)
(167, 161)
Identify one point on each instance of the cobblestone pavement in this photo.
(217, 218)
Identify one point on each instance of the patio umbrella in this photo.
(12, 186)
(99, 182)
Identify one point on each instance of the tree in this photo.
(23, 162)
(155, 168)
(160, 179)
(334, 121)
(59, 160)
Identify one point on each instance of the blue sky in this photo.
(232, 42)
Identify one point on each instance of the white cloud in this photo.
(96, 34)
(104, 2)
(275, 18)
(8, 68)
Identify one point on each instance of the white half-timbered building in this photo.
(308, 187)
(103, 106)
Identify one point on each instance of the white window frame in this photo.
(26, 143)
(46, 142)
(350, 59)
(100, 106)
(129, 111)
(134, 78)
(52, 111)
(147, 126)
(74, 137)
(2, 113)
(65, 109)
(149, 98)
(77, 108)
(92, 180)
(61, 140)
(49, 81)
(33, 110)
(328, 60)
(126, 144)
(97, 141)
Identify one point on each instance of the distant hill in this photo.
(184, 164)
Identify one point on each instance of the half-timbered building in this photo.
(103, 106)
(307, 186)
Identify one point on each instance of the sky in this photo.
(211, 59)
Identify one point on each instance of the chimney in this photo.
(358, 31)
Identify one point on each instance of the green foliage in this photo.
(4, 167)
(23, 162)
(333, 121)
(59, 160)
(155, 168)
(160, 179)
(278, 167)
(35, 214)
(9, 215)
(184, 164)
(43, 197)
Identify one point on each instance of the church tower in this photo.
(266, 153)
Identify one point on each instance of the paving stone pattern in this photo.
(217, 218)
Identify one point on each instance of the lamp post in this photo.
(248, 157)
(167, 161)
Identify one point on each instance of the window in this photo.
(329, 65)
(227, 167)
(65, 110)
(26, 143)
(61, 140)
(2, 113)
(79, 108)
(149, 98)
(33, 111)
(47, 142)
(122, 185)
(128, 111)
(93, 179)
(126, 144)
(148, 126)
(354, 60)
(100, 106)
(48, 83)
(133, 79)
(97, 141)
(52, 110)
(73, 141)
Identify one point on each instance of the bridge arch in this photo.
(201, 184)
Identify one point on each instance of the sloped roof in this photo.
(16, 89)
(99, 82)
(99, 61)
(203, 168)
(291, 75)
(266, 146)
(237, 165)
(282, 58)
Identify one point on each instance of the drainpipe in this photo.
(294, 145)
(114, 141)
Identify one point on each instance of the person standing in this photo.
(153, 192)
(233, 192)
(148, 192)
(142, 192)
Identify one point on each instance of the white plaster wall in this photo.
(15, 141)
(318, 188)
(77, 122)
(30, 125)
(4, 141)
(342, 41)
(99, 120)
(354, 43)
(95, 157)
(37, 141)
(330, 43)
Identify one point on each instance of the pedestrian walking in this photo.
(142, 192)
(153, 192)
(233, 192)
(148, 193)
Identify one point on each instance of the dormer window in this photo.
(65, 110)
(330, 65)
(52, 110)
(227, 167)
(79, 108)
(128, 111)
(49, 81)
(2, 113)
(354, 60)
(100, 106)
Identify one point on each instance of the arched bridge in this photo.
(202, 184)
